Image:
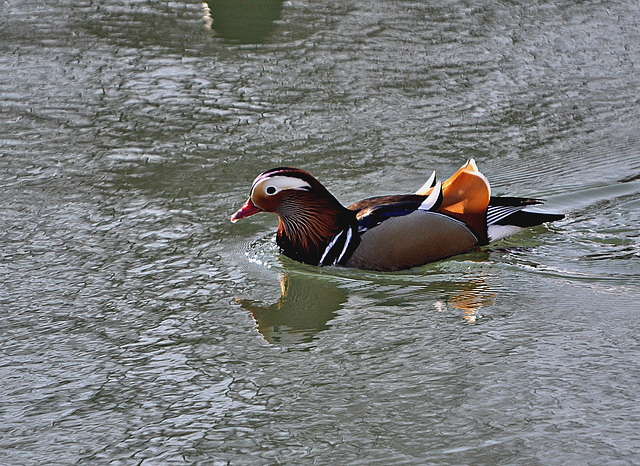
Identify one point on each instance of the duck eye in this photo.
(271, 189)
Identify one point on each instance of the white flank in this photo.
(497, 232)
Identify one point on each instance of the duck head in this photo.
(310, 216)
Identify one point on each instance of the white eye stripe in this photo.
(273, 184)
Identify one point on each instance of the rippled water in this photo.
(140, 326)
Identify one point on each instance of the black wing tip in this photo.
(526, 219)
(499, 201)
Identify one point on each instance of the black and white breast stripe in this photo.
(340, 247)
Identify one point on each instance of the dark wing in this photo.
(510, 211)
(373, 215)
(374, 211)
(382, 200)
(506, 216)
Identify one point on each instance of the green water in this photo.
(139, 326)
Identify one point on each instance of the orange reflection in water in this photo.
(473, 296)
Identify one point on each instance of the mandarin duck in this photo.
(387, 233)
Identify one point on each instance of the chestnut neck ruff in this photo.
(316, 230)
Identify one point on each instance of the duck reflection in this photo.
(247, 21)
(308, 302)
(305, 306)
(471, 298)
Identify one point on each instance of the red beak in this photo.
(249, 208)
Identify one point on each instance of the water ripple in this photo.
(140, 326)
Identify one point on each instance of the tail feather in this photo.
(506, 216)
(524, 219)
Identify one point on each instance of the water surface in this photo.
(140, 326)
